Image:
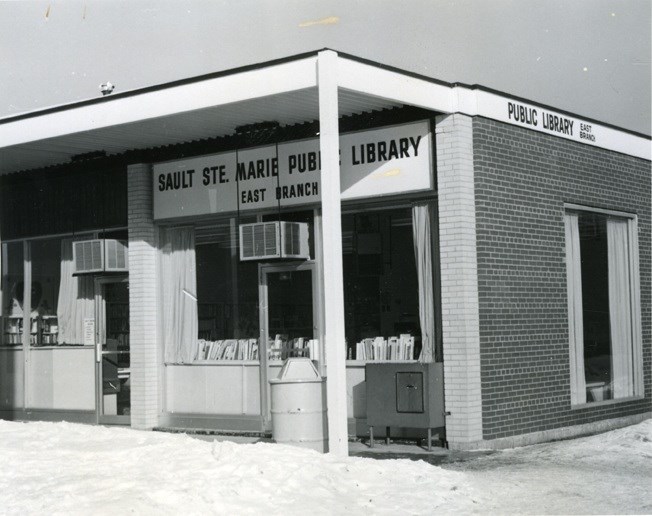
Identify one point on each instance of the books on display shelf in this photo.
(229, 349)
(49, 330)
(390, 349)
(44, 330)
(281, 348)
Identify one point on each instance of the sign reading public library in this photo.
(377, 162)
(539, 118)
(554, 123)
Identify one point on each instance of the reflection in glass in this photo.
(46, 279)
(381, 286)
(116, 381)
(227, 295)
(12, 293)
(290, 315)
(595, 302)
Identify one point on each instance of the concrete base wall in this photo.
(556, 434)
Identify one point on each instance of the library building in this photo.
(323, 248)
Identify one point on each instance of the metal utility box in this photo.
(409, 393)
(405, 395)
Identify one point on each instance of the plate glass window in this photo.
(46, 283)
(13, 287)
(227, 296)
(381, 286)
(604, 307)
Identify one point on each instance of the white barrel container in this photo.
(299, 406)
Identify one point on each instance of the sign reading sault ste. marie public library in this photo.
(384, 161)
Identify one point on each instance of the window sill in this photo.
(279, 363)
(362, 363)
(216, 363)
(63, 346)
(583, 406)
(18, 347)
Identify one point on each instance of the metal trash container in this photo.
(299, 405)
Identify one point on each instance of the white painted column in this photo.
(143, 300)
(459, 280)
(329, 145)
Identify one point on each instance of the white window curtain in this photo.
(575, 310)
(423, 255)
(620, 310)
(179, 290)
(76, 299)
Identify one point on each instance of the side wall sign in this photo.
(548, 121)
(373, 163)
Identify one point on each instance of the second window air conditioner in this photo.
(269, 240)
(100, 255)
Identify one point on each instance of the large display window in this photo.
(381, 291)
(13, 293)
(213, 295)
(59, 304)
(45, 258)
(603, 306)
(388, 283)
(223, 298)
(227, 297)
(43, 263)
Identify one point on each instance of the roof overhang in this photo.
(196, 109)
(210, 106)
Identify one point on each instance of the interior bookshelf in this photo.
(44, 330)
(382, 349)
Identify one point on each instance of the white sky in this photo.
(590, 57)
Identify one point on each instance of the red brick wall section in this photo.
(522, 180)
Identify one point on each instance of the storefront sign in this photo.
(478, 102)
(550, 122)
(377, 162)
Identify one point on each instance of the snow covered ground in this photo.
(58, 468)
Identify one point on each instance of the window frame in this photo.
(26, 242)
(635, 302)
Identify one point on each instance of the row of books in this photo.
(230, 349)
(282, 347)
(379, 348)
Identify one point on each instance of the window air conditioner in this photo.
(270, 240)
(100, 255)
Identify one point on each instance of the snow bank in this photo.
(70, 468)
(64, 468)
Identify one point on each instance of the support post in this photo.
(334, 340)
(459, 280)
(146, 357)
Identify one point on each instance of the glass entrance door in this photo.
(288, 320)
(289, 311)
(113, 355)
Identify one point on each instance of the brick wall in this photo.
(522, 180)
(459, 292)
(143, 297)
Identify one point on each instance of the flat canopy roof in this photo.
(285, 91)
